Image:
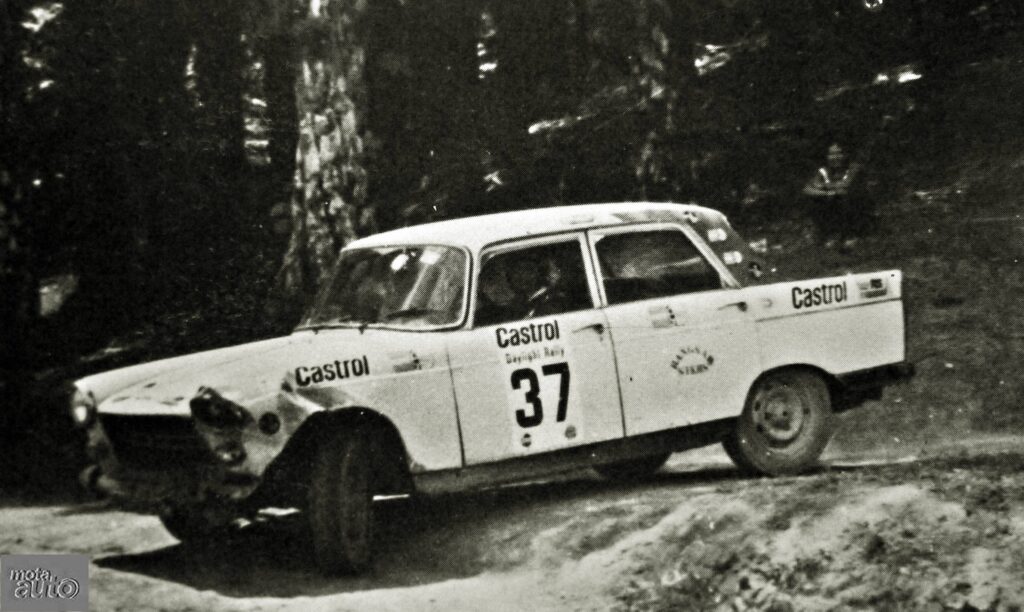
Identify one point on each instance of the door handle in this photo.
(741, 305)
(598, 327)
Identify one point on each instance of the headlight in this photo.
(83, 408)
(211, 408)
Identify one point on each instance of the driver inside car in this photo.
(496, 301)
(552, 295)
(522, 285)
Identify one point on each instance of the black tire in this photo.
(633, 468)
(785, 425)
(196, 524)
(340, 504)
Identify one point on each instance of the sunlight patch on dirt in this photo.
(877, 548)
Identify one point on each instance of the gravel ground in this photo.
(936, 533)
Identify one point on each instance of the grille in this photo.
(155, 442)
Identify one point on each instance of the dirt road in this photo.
(934, 534)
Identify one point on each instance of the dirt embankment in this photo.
(940, 534)
(932, 536)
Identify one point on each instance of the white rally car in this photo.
(481, 351)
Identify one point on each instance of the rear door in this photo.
(537, 372)
(685, 341)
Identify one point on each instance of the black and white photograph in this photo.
(494, 305)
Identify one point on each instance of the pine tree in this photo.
(329, 202)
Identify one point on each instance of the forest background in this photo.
(177, 176)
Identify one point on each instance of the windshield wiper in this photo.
(346, 320)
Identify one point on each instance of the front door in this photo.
(685, 343)
(536, 372)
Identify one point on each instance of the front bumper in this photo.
(149, 488)
(151, 459)
(185, 457)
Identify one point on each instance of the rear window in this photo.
(744, 264)
(650, 264)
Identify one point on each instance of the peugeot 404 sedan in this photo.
(487, 350)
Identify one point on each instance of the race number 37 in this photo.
(526, 379)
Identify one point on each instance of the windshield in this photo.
(407, 286)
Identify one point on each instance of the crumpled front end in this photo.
(150, 458)
(241, 424)
(154, 443)
(219, 449)
(212, 446)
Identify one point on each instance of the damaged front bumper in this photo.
(219, 451)
(148, 488)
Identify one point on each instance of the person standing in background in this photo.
(837, 210)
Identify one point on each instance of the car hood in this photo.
(244, 374)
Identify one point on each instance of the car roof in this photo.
(477, 232)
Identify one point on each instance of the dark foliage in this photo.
(124, 167)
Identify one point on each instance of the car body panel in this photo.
(493, 386)
(409, 384)
(697, 353)
(104, 384)
(839, 324)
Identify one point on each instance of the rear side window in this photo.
(652, 264)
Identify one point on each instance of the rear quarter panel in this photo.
(840, 324)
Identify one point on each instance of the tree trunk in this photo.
(328, 207)
(278, 53)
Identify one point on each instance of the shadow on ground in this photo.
(420, 541)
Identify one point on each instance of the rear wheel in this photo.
(785, 425)
(633, 468)
(340, 504)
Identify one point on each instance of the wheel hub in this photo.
(779, 415)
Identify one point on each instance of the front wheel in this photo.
(340, 504)
(785, 425)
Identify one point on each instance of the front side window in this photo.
(532, 282)
(650, 264)
(406, 286)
